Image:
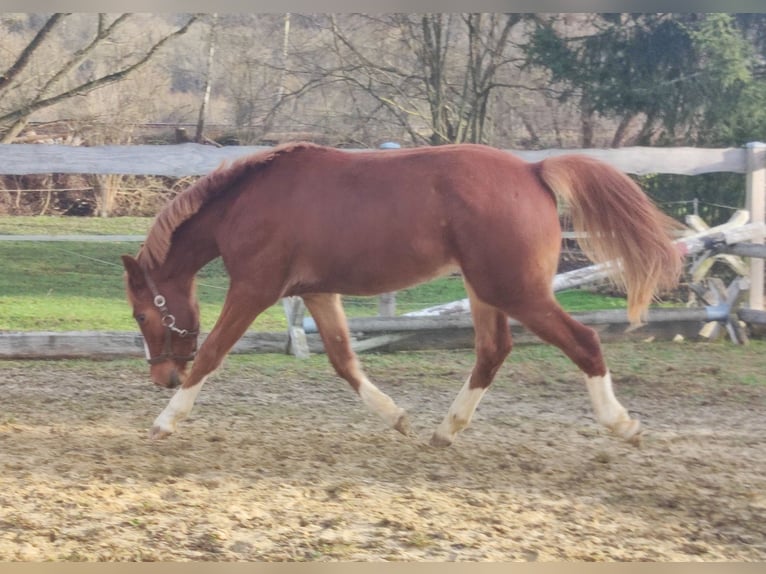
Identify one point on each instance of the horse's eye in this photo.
(140, 318)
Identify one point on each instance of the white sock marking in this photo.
(607, 408)
(461, 411)
(379, 402)
(178, 408)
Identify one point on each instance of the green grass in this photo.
(583, 300)
(72, 286)
(78, 286)
(38, 225)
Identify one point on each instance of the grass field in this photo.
(63, 285)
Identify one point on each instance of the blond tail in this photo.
(621, 225)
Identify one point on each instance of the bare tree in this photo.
(439, 74)
(252, 75)
(55, 79)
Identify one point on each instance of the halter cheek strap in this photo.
(167, 350)
(169, 322)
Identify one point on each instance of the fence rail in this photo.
(195, 159)
(379, 333)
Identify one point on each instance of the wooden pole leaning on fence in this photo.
(756, 204)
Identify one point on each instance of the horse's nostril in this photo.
(175, 380)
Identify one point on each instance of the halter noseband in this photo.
(169, 322)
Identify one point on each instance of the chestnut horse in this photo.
(318, 222)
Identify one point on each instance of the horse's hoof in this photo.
(630, 430)
(440, 441)
(158, 433)
(403, 425)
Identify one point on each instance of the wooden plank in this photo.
(463, 339)
(195, 159)
(737, 219)
(462, 306)
(407, 323)
(647, 160)
(703, 265)
(756, 316)
(582, 276)
(108, 344)
(744, 250)
(378, 342)
(713, 237)
(393, 333)
(369, 325)
(169, 160)
(756, 204)
(70, 344)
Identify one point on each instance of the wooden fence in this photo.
(194, 159)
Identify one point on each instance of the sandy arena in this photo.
(281, 462)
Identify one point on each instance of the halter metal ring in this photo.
(159, 301)
(169, 321)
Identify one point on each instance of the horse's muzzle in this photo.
(175, 380)
(168, 377)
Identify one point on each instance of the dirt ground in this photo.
(280, 461)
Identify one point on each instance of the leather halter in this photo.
(169, 322)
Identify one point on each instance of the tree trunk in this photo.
(285, 54)
(13, 131)
(106, 191)
(208, 81)
(622, 130)
(586, 125)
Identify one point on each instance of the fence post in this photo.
(387, 304)
(387, 301)
(296, 336)
(756, 204)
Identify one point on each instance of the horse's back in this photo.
(366, 222)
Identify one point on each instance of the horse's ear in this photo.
(136, 277)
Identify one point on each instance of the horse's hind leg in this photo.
(327, 311)
(581, 344)
(493, 343)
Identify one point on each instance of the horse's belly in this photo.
(373, 277)
(382, 281)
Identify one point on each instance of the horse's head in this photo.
(168, 316)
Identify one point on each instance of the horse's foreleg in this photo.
(177, 409)
(327, 311)
(493, 343)
(239, 311)
(581, 344)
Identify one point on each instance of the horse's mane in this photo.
(186, 204)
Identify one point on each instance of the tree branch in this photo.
(40, 103)
(23, 59)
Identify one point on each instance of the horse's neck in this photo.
(193, 247)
